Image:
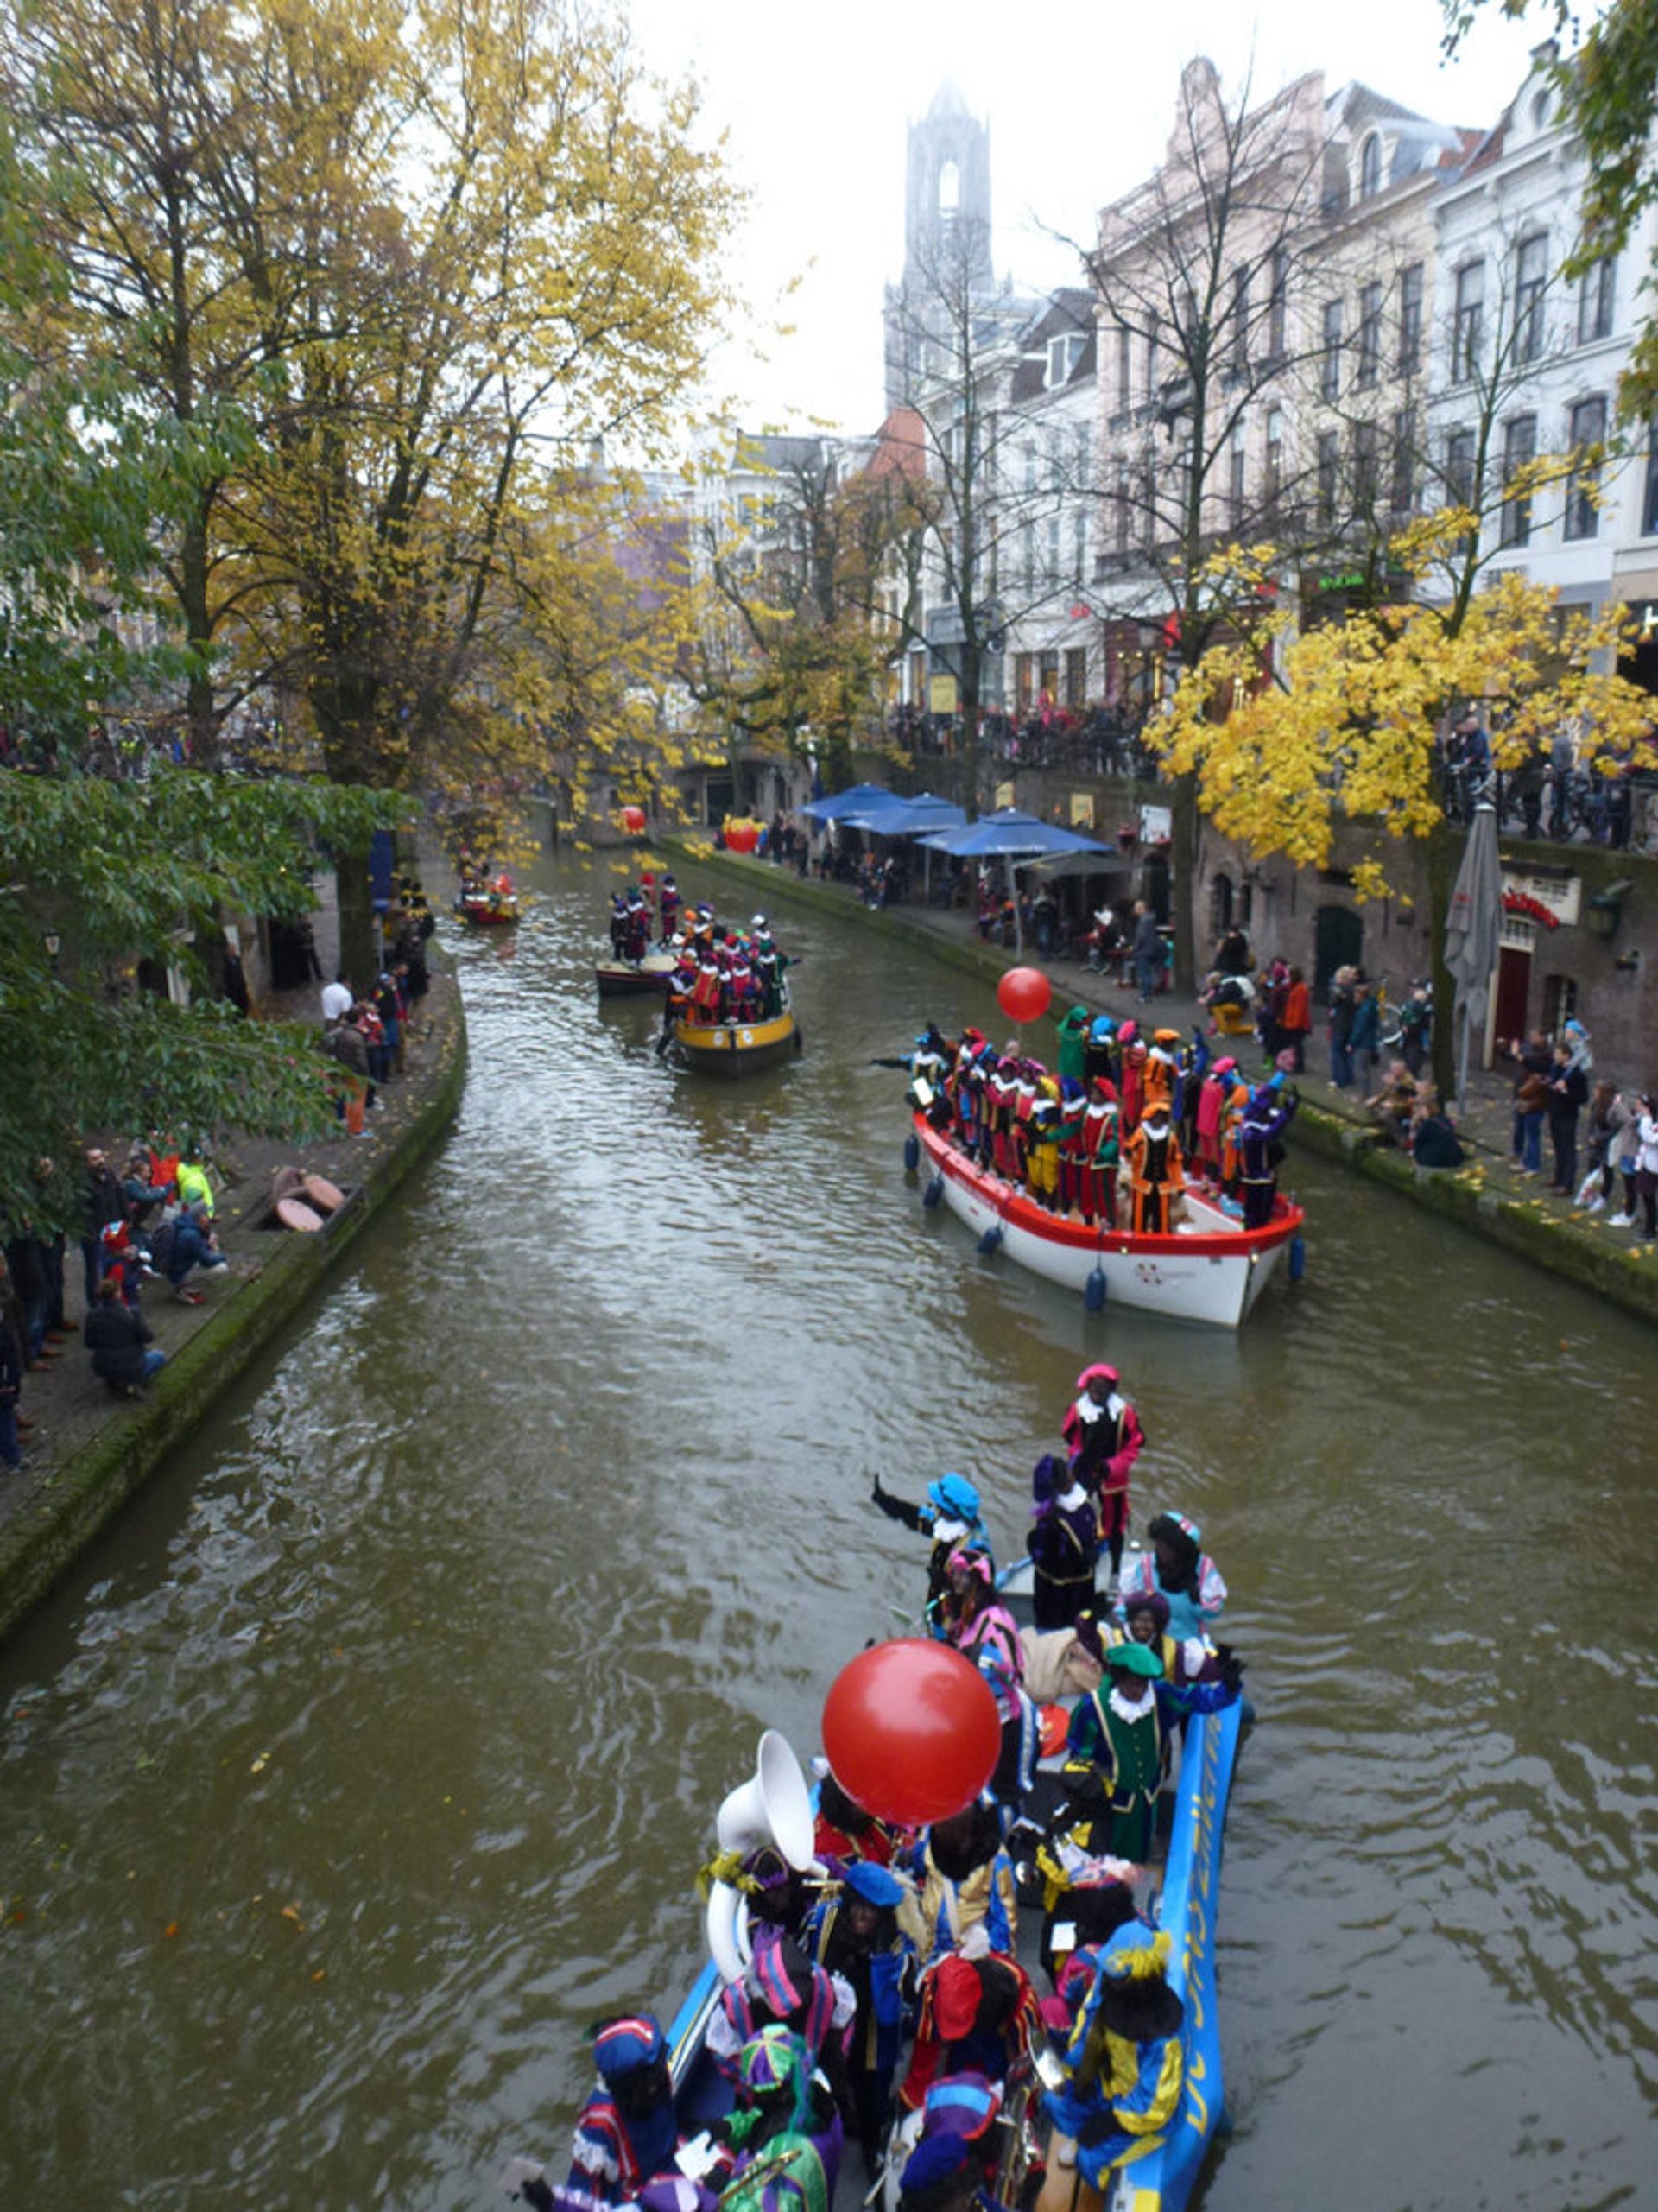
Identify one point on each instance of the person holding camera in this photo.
(1646, 1166)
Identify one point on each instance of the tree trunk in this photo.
(359, 925)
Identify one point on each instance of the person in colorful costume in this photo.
(627, 2132)
(668, 903)
(983, 1630)
(785, 2131)
(1123, 2056)
(1097, 1181)
(1063, 1545)
(950, 1516)
(968, 1902)
(1116, 1750)
(1042, 1145)
(1187, 1661)
(1178, 1566)
(977, 2016)
(845, 1833)
(1213, 1093)
(857, 1937)
(780, 1987)
(1104, 1438)
(944, 2173)
(1152, 1151)
(1269, 1115)
(1073, 1029)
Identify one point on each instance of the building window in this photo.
(1278, 303)
(1597, 297)
(1582, 500)
(1402, 494)
(1649, 502)
(1370, 167)
(1028, 556)
(1370, 333)
(1079, 544)
(1076, 677)
(1064, 353)
(1530, 283)
(1367, 473)
(1519, 448)
(1031, 468)
(1273, 485)
(1466, 321)
(1124, 510)
(1125, 369)
(1329, 359)
(1153, 333)
(1237, 475)
(1410, 319)
(1460, 468)
(1329, 469)
(1052, 576)
(1024, 681)
(1241, 322)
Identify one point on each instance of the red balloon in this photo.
(1024, 993)
(633, 820)
(911, 1731)
(741, 836)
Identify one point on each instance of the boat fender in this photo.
(991, 1239)
(912, 1153)
(1093, 1293)
(933, 1192)
(1297, 1258)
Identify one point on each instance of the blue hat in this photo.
(874, 1884)
(1105, 1028)
(936, 2159)
(1069, 1088)
(621, 2047)
(954, 1495)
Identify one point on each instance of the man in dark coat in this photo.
(120, 1341)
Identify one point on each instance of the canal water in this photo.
(371, 1758)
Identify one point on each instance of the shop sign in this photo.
(1548, 899)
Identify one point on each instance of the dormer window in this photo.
(1539, 107)
(1370, 167)
(1064, 353)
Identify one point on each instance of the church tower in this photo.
(946, 232)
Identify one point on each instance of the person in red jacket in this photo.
(1295, 1022)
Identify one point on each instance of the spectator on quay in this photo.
(1623, 1155)
(11, 1370)
(1342, 1000)
(1531, 1081)
(1364, 1037)
(144, 1197)
(192, 1245)
(1567, 1094)
(1395, 1106)
(1598, 1132)
(1415, 1025)
(102, 1203)
(372, 1032)
(1646, 1165)
(1233, 953)
(1146, 952)
(345, 1042)
(1433, 1140)
(120, 1341)
(338, 999)
(1294, 1023)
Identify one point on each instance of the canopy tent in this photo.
(1014, 836)
(1081, 863)
(849, 801)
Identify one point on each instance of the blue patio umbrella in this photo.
(849, 801)
(916, 818)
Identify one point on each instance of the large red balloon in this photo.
(1024, 993)
(911, 1731)
(741, 836)
(633, 820)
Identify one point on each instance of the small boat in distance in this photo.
(624, 979)
(491, 905)
(732, 1048)
(1211, 1267)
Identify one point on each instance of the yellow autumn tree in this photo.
(1290, 733)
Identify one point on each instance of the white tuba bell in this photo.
(774, 1807)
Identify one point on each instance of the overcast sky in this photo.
(1080, 102)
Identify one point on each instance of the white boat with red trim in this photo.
(1210, 1268)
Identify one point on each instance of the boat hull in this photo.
(731, 1049)
(494, 914)
(624, 980)
(1212, 1272)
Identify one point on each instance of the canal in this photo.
(370, 1758)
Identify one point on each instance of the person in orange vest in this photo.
(1153, 1152)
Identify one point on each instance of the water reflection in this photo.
(370, 1758)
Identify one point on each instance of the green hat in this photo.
(1137, 1658)
(1079, 1014)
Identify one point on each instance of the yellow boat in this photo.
(735, 1047)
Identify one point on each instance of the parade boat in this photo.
(731, 1049)
(620, 979)
(488, 906)
(1211, 1267)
